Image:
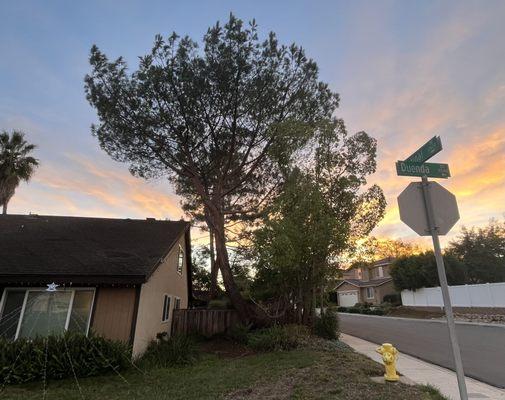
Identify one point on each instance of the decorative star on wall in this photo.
(51, 287)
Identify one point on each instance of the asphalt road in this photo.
(482, 346)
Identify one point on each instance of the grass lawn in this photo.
(325, 371)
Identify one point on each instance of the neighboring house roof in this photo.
(101, 250)
(360, 283)
(382, 262)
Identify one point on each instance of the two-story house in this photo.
(366, 284)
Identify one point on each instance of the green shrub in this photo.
(24, 360)
(170, 351)
(354, 310)
(326, 326)
(394, 299)
(218, 304)
(278, 337)
(342, 309)
(238, 333)
(373, 311)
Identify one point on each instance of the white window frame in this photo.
(372, 291)
(42, 289)
(181, 267)
(169, 311)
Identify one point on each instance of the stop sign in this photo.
(412, 208)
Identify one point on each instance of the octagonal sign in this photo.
(412, 209)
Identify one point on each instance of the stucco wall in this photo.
(165, 280)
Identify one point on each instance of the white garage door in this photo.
(348, 298)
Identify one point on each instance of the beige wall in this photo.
(113, 313)
(165, 280)
(387, 288)
(379, 293)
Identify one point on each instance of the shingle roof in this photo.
(100, 249)
(383, 261)
(360, 283)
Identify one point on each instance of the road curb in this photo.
(501, 326)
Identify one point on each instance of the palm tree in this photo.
(15, 164)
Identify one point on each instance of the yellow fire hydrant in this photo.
(389, 356)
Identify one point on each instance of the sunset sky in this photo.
(405, 71)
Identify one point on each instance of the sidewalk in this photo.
(423, 373)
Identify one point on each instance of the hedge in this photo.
(59, 356)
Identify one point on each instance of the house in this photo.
(119, 278)
(366, 284)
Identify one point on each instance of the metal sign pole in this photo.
(445, 289)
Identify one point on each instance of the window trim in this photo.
(373, 292)
(42, 289)
(166, 296)
(181, 251)
(177, 301)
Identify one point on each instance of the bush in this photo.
(326, 326)
(170, 351)
(342, 309)
(278, 337)
(218, 304)
(394, 299)
(238, 333)
(24, 360)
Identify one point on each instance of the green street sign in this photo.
(428, 150)
(431, 170)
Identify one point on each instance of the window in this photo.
(28, 313)
(369, 293)
(177, 304)
(166, 308)
(180, 260)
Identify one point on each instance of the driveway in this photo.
(482, 346)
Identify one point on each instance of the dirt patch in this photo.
(225, 348)
(493, 316)
(407, 312)
(279, 390)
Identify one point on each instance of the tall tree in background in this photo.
(372, 249)
(482, 250)
(16, 164)
(323, 209)
(221, 121)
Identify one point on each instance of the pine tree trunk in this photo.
(4, 209)
(248, 313)
(214, 267)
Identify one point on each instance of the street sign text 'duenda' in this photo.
(431, 170)
(428, 150)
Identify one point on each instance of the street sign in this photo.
(427, 150)
(412, 206)
(439, 216)
(432, 170)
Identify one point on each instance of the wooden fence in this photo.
(203, 322)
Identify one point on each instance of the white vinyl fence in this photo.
(483, 295)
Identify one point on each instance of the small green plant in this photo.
(326, 326)
(278, 337)
(342, 309)
(238, 333)
(170, 351)
(25, 360)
